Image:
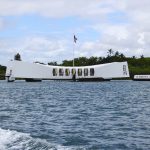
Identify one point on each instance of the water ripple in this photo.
(90, 116)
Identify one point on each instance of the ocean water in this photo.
(58, 115)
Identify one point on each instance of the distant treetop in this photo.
(17, 57)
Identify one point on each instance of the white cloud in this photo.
(132, 36)
(3, 24)
(55, 8)
(34, 49)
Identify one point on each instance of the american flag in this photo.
(75, 39)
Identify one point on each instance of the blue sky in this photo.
(43, 30)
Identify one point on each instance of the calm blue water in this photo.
(55, 115)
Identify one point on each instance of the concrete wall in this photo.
(20, 69)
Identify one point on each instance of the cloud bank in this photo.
(120, 25)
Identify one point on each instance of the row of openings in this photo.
(73, 71)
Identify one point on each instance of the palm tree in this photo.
(17, 57)
(133, 57)
(116, 53)
(122, 55)
(110, 52)
(142, 56)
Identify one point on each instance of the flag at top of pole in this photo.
(75, 39)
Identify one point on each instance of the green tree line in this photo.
(136, 65)
(2, 72)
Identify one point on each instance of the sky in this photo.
(43, 30)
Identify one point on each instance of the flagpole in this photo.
(73, 52)
(74, 42)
